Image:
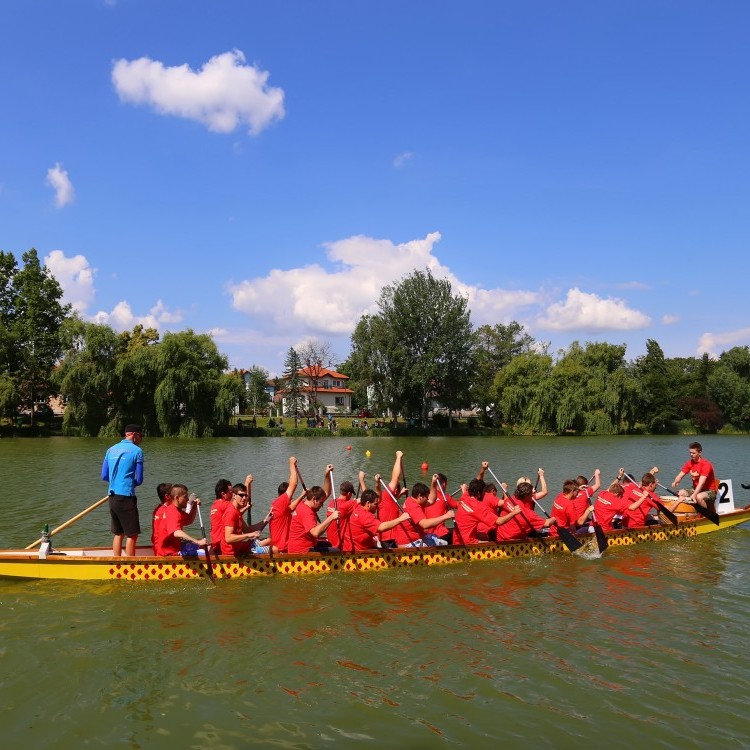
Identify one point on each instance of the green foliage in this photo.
(294, 400)
(418, 349)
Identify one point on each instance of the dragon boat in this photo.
(95, 564)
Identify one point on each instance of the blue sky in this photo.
(261, 170)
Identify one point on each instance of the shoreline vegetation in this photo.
(415, 363)
(461, 427)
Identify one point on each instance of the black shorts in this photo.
(123, 511)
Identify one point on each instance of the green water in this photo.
(645, 646)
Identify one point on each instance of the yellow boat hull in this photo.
(94, 564)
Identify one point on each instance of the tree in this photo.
(86, 375)
(496, 347)
(656, 408)
(35, 329)
(293, 396)
(316, 357)
(419, 347)
(190, 370)
(255, 392)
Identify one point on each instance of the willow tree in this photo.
(420, 345)
(85, 376)
(189, 369)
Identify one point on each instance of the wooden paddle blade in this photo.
(601, 538)
(671, 517)
(569, 539)
(706, 513)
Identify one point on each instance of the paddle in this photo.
(671, 517)
(533, 532)
(568, 538)
(705, 512)
(209, 566)
(336, 507)
(70, 522)
(601, 538)
(455, 525)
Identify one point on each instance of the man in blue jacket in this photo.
(123, 469)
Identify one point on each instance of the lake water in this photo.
(644, 646)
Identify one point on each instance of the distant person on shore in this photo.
(123, 469)
(701, 472)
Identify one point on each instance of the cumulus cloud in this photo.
(590, 313)
(224, 94)
(75, 276)
(59, 181)
(122, 317)
(670, 320)
(331, 302)
(714, 344)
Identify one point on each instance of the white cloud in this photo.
(59, 181)
(123, 319)
(714, 344)
(314, 300)
(75, 276)
(590, 313)
(401, 159)
(224, 94)
(670, 320)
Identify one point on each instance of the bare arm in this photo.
(396, 471)
(292, 477)
(483, 468)
(327, 480)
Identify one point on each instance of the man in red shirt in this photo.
(282, 508)
(344, 503)
(439, 504)
(239, 537)
(224, 494)
(609, 504)
(563, 508)
(365, 526)
(411, 533)
(641, 503)
(526, 522)
(157, 517)
(582, 501)
(701, 471)
(170, 537)
(388, 508)
(471, 510)
(305, 530)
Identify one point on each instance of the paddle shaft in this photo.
(209, 565)
(71, 521)
(502, 489)
(455, 525)
(705, 512)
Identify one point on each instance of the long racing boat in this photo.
(98, 564)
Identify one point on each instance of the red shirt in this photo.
(300, 538)
(156, 520)
(364, 528)
(166, 543)
(439, 508)
(701, 468)
(581, 501)
(281, 520)
(233, 518)
(563, 510)
(217, 522)
(634, 518)
(607, 506)
(408, 532)
(345, 508)
(469, 514)
(494, 503)
(388, 510)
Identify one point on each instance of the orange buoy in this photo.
(425, 466)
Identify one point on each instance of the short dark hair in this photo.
(420, 489)
(476, 488)
(524, 490)
(369, 496)
(283, 487)
(221, 487)
(163, 489)
(346, 486)
(316, 492)
(696, 447)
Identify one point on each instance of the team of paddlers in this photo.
(389, 515)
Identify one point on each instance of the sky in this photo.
(261, 170)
